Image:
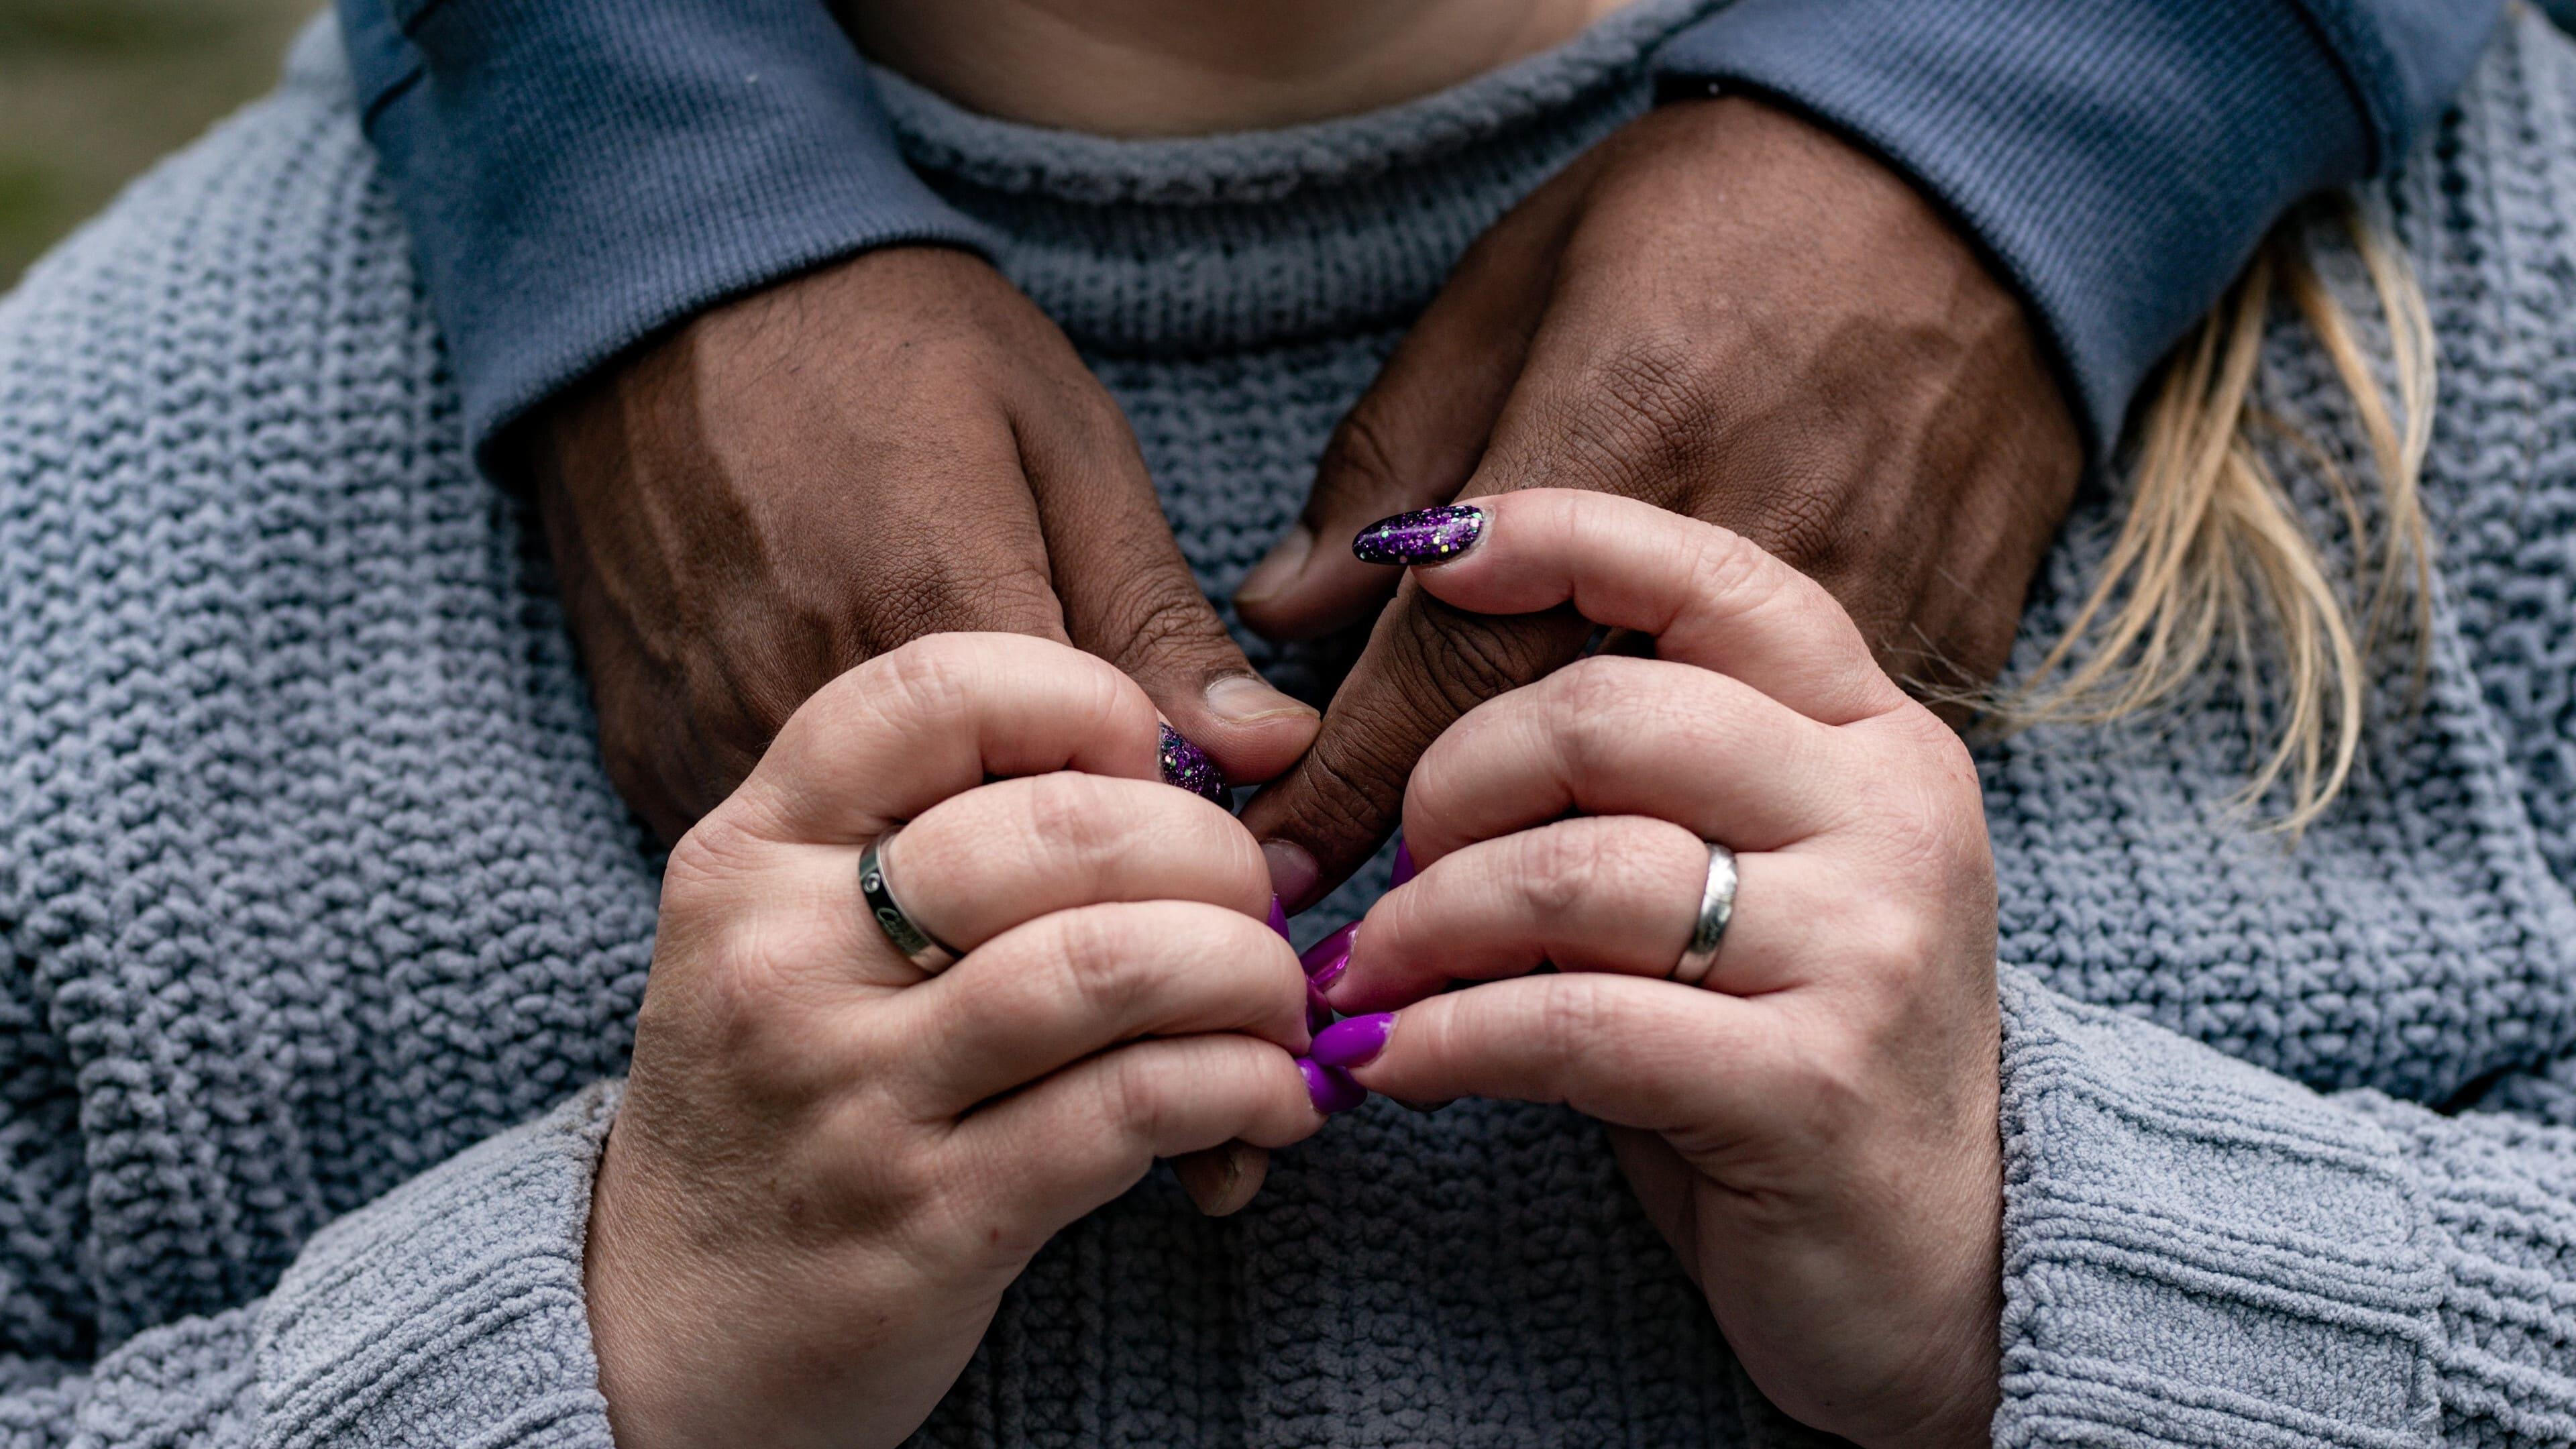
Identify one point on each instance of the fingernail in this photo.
(1403, 864)
(1222, 1180)
(1327, 959)
(1292, 872)
(1249, 699)
(1186, 765)
(1425, 536)
(1273, 575)
(1331, 1088)
(1278, 918)
(1355, 1042)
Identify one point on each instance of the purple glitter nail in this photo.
(1186, 765)
(1426, 536)
(1403, 864)
(1353, 1043)
(1327, 959)
(1331, 1088)
(1278, 918)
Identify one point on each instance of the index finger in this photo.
(1624, 1050)
(937, 717)
(1426, 664)
(1709, 596)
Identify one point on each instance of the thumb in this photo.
(1414, 438)
(1130, 598)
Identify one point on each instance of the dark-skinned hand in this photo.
(793, 484)
(1727, 312)
(790, 485)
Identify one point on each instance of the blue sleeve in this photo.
(2118, 159)
(580, 174)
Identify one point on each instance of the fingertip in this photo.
(1330, 591)
(1327, 959)
(1354, 1042)
(1248, 699)
(1279, 570)
(1293, 873)
(1330, 1089)
(1222, 1181)
(1423, 538)
(1250, 730)
(1185, 766)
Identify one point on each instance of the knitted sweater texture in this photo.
(325, 931)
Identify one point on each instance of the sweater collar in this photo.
(1262, 238)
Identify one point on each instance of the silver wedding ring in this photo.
(917, 946)
(1716, 908)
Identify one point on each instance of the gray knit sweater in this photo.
(326, 932)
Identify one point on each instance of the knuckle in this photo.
(1354, 776)
(1073, 820)
(1578, 1020)
(706, 865)
(1465, 659)
(1561, 868)
(1600, 682)
(1726, 565)
(1828, 1083)
(927, 676)
(1156, 610)
(761, 688)
(1596, 707)
(895, 1183)
(1093, 956)
(1803, 526)
(1582, 693)
(1897, 943)
(1928, 824)
(1075, 402)
(1136, 1096)
(748, 1007)
(928, 593)
(1649, 412)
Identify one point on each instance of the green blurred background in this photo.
(91, 91)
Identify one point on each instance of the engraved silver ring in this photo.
(916, 945)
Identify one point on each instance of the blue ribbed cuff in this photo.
(2118, 159)
(579, 177)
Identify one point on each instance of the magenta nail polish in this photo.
(1353, 1043)
(1186, 765)
(1403, 864)
(1331, 1088)
(1319, 1012)
(1425, 536)
(1327, 959)
(1278, 918)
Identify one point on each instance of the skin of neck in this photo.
(1138, 68)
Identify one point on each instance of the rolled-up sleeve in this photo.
(2118, 159)
(579, 175)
